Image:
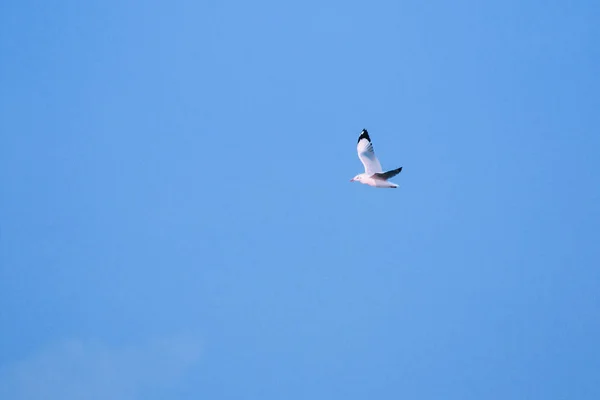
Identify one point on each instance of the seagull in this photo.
(373, 175)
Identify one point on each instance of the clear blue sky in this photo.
(177, 221)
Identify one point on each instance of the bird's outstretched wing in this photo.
(384, 176)
(367, 155)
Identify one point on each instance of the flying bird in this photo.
(373, 175)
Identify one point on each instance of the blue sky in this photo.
(177, 221)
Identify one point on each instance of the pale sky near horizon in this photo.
(177, 221)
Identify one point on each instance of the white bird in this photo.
(373, 175)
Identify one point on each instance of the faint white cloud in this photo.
(83, 370)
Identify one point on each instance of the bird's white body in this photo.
(378, 183)
(373, 175)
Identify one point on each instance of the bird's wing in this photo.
(384, 176)
(366, 154)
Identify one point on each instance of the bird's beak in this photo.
(352, 180)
